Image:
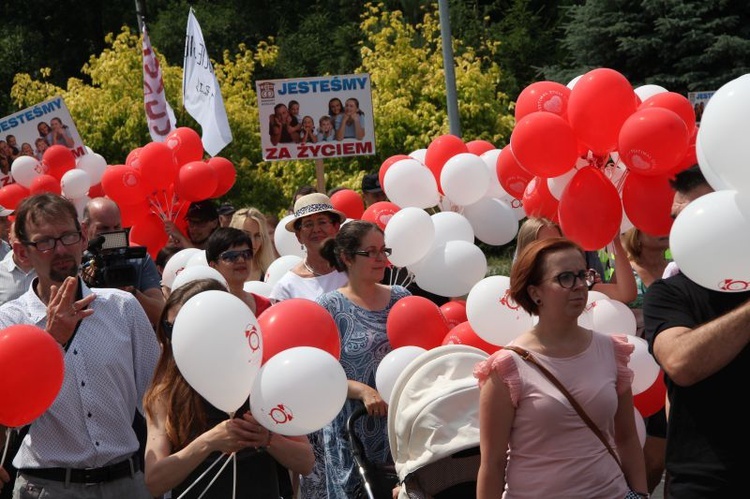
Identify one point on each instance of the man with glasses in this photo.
(84, 444)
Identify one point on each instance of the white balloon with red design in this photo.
(25, 169)
(176, 264)
(493, 314)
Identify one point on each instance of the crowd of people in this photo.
(555, 408)
(343, 121)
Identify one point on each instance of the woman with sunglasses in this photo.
(533, 442)
(186, 434)
(360, 309)
(230, 251)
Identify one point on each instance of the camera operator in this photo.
(103, 215)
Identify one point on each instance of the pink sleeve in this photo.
(501, 363)
(623, 349)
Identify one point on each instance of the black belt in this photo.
(126, 468)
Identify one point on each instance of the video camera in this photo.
(110, 257)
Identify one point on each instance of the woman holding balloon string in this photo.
(360, 309)
(186, 434)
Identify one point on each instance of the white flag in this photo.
(159, 114)
(200, 91)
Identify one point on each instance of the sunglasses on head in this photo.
(234, 255)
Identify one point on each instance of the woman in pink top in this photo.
(533, 443)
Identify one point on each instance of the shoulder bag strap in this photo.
(526, 355)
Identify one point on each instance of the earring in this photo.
(538, 301)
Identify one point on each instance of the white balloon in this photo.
(451, 226)
(595, 296)
(709, 241)
(493, 314)
(391, 367)
(80, 205)
(258, 287)
(494, 221)
(410, 183)
(75, 183)
(410, 234)
(198, 259)
(451, 269)
(572, 83)
(175, 265)
(195, 272)
(494, 189)
(419, 155)
(286, 242)
(298, 391)
(645, 91)
(464, 178)
(25, 169)
(713, 179)
(218, 348)
(644, 367)
(94, 164)
(279, 267)
(612, 317)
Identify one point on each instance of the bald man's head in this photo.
(101, 215)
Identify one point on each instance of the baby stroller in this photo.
(378, 481)
(433, 424)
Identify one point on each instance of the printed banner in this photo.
(32, 130)
(316, 118)
(159, 114)
(699, 101)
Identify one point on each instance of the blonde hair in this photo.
(631, 241)
(529, 231)
(263, 257)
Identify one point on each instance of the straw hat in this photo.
(311, 204)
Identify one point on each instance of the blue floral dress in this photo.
(364, 343)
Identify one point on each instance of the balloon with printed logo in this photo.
(32, 370)
(58, 159)
(416, 321)
(544, 144)
(45, 183)
(176, 264)
(157, 165)
(124, 184)
(196, 181)
(196, 272)
(440, 150)
(186, 145)
(653, 141)
(675, 102)
(463, 334)
(538, 201)
(647, 202)
(225, 175)
(380, 213)
(350, 202)
(94, 164)
(75, 183)
(454, 312)
(493, 314)
(410, 183)
(494, 221)
(544, 96)
(590, 209)
(149, 232)
(479, 147)
(511, 175)
(25, 169)
(464, 178)
(387, 164)
(599, 104)
(133, 158)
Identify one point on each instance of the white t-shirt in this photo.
(293, 286)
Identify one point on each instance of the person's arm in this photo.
(688, 356)
(374, 403)
(496, 413)
(172, 231)
(342, 128)
(293, 453)
(627, 444)
(359, 130)
(622, 287)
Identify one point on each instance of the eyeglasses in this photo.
(49, 243)
(568, 279)
(310, 225)
(374, 253)
(167, 327)
(233, 255)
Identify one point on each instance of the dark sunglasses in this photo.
(568, 279)
(233, 255)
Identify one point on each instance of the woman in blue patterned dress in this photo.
(360, 310)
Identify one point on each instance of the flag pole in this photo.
(140, 12)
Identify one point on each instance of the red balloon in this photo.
(45, 183)
(590, 209)
(32, 370)
(479, 147)
(647, 202)
(96, 191)
(454, 312)
(538, 201)
(157, 165)
(511, 175)
(186, 144)
(149, 232)
(350, 202)
(690, 158)
(651, 400)
(225, 175)
(58, 160)
(653, 141)
(12, 194)
(544, 144)
(380, 213)
(675, 102)
(441, 150)
(387, 164)
(547, 96)
(133, 158)
(599, 104)
(463, 334)
(415, 320)
(124, 184)
(131, 214)
(196, 181)
(298, 322)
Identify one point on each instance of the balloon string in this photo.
(204, 474)
(232, 457)
(5, 447)
(234, 476)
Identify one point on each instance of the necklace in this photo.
(310, 269)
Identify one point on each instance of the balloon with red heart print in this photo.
(511, 175)
(186, 145)
(653, 141)
(546, 96)
(380, 213)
